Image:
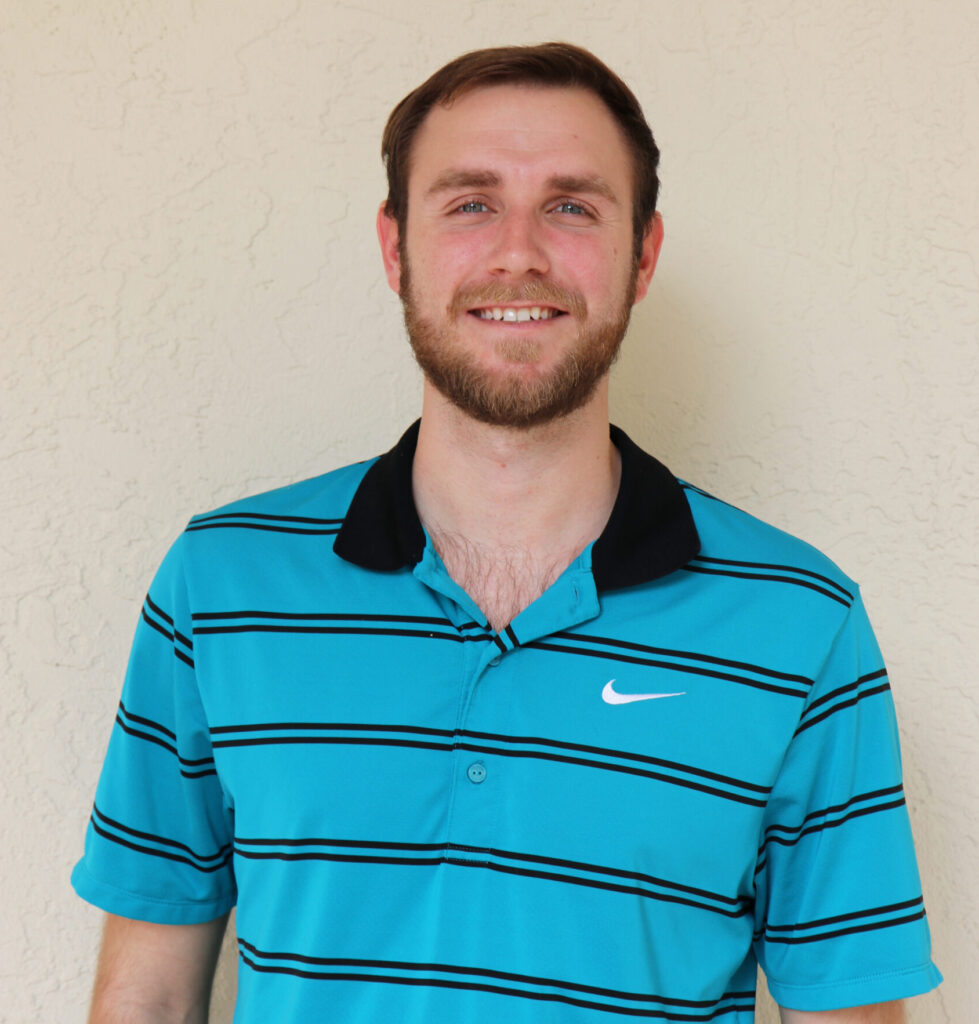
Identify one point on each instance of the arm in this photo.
(878, 1013)
(155, 973)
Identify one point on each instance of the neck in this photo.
(524, 502)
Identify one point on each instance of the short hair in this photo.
(547, 64)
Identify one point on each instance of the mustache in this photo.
(500, 293)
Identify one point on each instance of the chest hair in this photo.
(501, 580)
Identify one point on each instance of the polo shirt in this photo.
(679, 762)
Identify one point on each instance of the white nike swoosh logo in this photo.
(610, 696)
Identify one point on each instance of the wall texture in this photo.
(192, 309)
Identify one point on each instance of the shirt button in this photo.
(476, 772)
(495, 661)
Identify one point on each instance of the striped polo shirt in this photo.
(679, 762)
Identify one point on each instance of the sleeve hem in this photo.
(147, 908)
(878, 988)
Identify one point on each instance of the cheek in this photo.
(445, 261)
(591, 273)
(586, 260)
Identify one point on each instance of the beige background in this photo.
(193, 308)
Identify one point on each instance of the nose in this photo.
(518, 249)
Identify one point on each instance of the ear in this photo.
(652, 242)
(388, 236)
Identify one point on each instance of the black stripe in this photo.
(836, 808)
(223, 853)
(119, 841)
(485, 972)
(875, 926)
(346, 843)
(422, 730)
(155, 625)
(505, 854)
(495, 738)
(769, 565)
(513, 636)
(623, 754)
(149, 737)
(672, 666)
(147, 722)
(343, 858)
(194, 762)
(324, 617)
(769, 579)
(624, 769)
(499, 643)
(539, 755)
(346, 630)
(263, 515)
(183, 657)
(171, 636)
(267, 741)
(622, 873)
(836, 822)
(842, 706)
(591, 883)
(860, 813)
(688, 655)
(260, 526)
(839, 691)
(856, 915)
(481, 987)
(157, 610)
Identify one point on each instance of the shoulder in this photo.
(737, 544)
(320, 498)
(264, 528)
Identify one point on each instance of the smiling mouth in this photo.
(517, 314)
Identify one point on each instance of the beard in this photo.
(519, 399)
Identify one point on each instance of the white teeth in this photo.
(517, 315)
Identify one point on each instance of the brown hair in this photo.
(548, 64)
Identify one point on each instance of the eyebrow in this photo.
(463, 179)
(588, 184)
(582, 184)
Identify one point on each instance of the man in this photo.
(508, 722)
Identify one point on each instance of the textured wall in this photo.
(192, 309)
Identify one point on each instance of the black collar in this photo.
(649, 534)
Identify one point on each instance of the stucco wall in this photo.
(193, 308)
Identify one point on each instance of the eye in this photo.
(472, 206)
(567, 206)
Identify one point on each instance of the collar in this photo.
(649, 534)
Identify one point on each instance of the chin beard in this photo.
(515, 399)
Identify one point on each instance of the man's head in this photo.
(520, 228)
(558, 65)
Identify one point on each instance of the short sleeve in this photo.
(840, 919)
(159, 842)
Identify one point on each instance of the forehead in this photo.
(517, 130)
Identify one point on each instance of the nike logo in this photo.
(610, 696)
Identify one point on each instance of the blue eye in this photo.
(569, 207)
(473, 206)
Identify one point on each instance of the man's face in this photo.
(516, 271)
